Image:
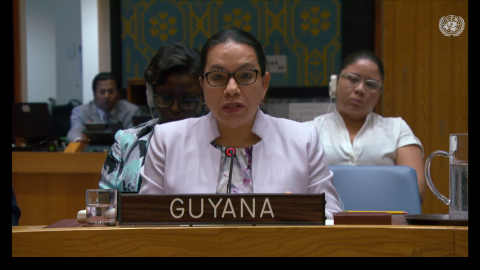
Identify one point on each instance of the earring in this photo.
(263, 107)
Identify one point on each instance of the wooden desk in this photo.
(281, 241)
(51, 186)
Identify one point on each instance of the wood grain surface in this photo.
(237, 241)
(57, 162)
(461, 242)
(426, 79)
(51, 186)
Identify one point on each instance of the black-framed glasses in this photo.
(184, 103)
(353, 80)
(217, 78)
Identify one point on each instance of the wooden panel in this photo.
(459, 88)
(388, 53)
(402, 73)
(51, 186)
(282, 241)
(57, 162)
(378, 44)
(422, 71)
(461, 242)
(426, 80)
(45, 198)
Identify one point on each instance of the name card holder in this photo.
(211, 209)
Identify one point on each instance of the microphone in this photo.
(230, 151)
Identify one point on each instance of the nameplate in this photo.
(191, 209)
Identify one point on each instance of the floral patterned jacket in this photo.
(121, 169)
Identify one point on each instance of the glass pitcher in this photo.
(458, 177)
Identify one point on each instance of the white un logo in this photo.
(451, 25)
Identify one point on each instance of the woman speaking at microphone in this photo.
(236, 148)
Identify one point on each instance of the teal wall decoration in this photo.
(306, 32)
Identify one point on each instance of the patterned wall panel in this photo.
(306, 32)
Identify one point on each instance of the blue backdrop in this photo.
(306, 32)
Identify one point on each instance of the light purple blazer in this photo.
(289, 157)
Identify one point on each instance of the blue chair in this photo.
(377, 188)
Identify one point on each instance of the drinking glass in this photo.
(101, 208)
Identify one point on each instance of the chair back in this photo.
(377, 188)
(61, 117)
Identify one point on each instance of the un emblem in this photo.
(451, 25)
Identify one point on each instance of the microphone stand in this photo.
(230, 151)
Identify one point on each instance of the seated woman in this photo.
(174, 90)
(353, 134)
(273, 155)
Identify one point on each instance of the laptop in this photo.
(32, 122)
(102, 134)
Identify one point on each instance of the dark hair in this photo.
(363, 54)
(238, 36)
(172, 58)
(101, 77)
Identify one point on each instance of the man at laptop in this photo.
(106, 107)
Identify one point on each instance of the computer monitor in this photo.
(32, 122)
(102, 133)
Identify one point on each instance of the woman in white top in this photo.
(353, 134)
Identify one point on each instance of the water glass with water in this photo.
(458, 177)
(101, 208)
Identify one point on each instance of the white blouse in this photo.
(375, 144)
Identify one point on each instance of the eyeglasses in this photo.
(184, 103)
(217, 78)
(353, 80)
